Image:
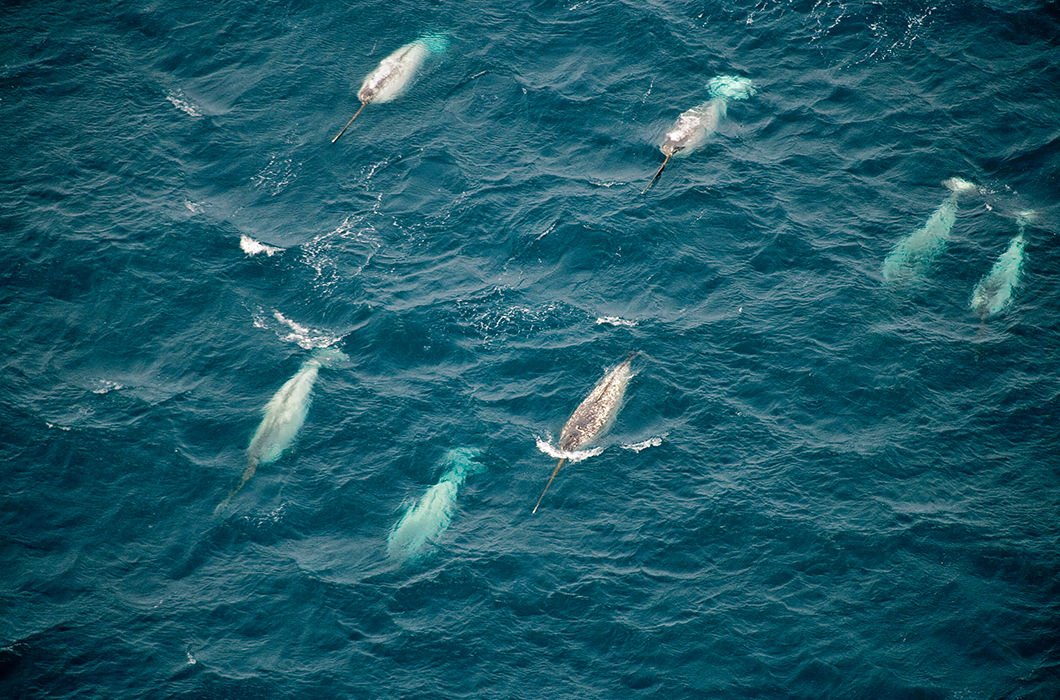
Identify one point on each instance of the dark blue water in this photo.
(819, 485)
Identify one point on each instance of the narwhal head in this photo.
(669, 147)
(367, 93)
(568, 442)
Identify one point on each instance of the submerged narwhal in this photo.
(915, 253)
(285, 414)
(695, 125)
(393, 74)
(593, 416)
(995, 291)
(426, 519)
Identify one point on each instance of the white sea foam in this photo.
(294, 332)
(614, 321)
(181, 102)
(645, 444)
(277, 174)
(264, 521)
(550, 229)
(959, 185)
(307, 338)
(493, 319)
(105, 386)
(573, 456)
(372, 169)
(318, 253)
(253, 247)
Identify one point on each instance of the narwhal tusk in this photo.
(554, 472)
(351, 122)
(657, 173)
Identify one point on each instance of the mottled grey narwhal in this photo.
(593, 416)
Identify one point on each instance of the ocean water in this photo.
(819, 485)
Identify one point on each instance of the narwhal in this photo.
(395, 72)
(284, 415)
(919, 249)
(593, 416)
(994, 292)
(429, 517)
(695, 125)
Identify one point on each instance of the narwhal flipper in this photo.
(657, 174)
(348, 123)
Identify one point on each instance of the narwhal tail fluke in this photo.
(657, 174)
(1024, 218)
(554, 472)
(435, 43)
(731, 87)
(348, 123)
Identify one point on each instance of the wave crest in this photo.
(253, 247)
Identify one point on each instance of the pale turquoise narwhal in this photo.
(395, 72)
(285, 414)
(915, 253)
(426, 519)
(995, 291)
